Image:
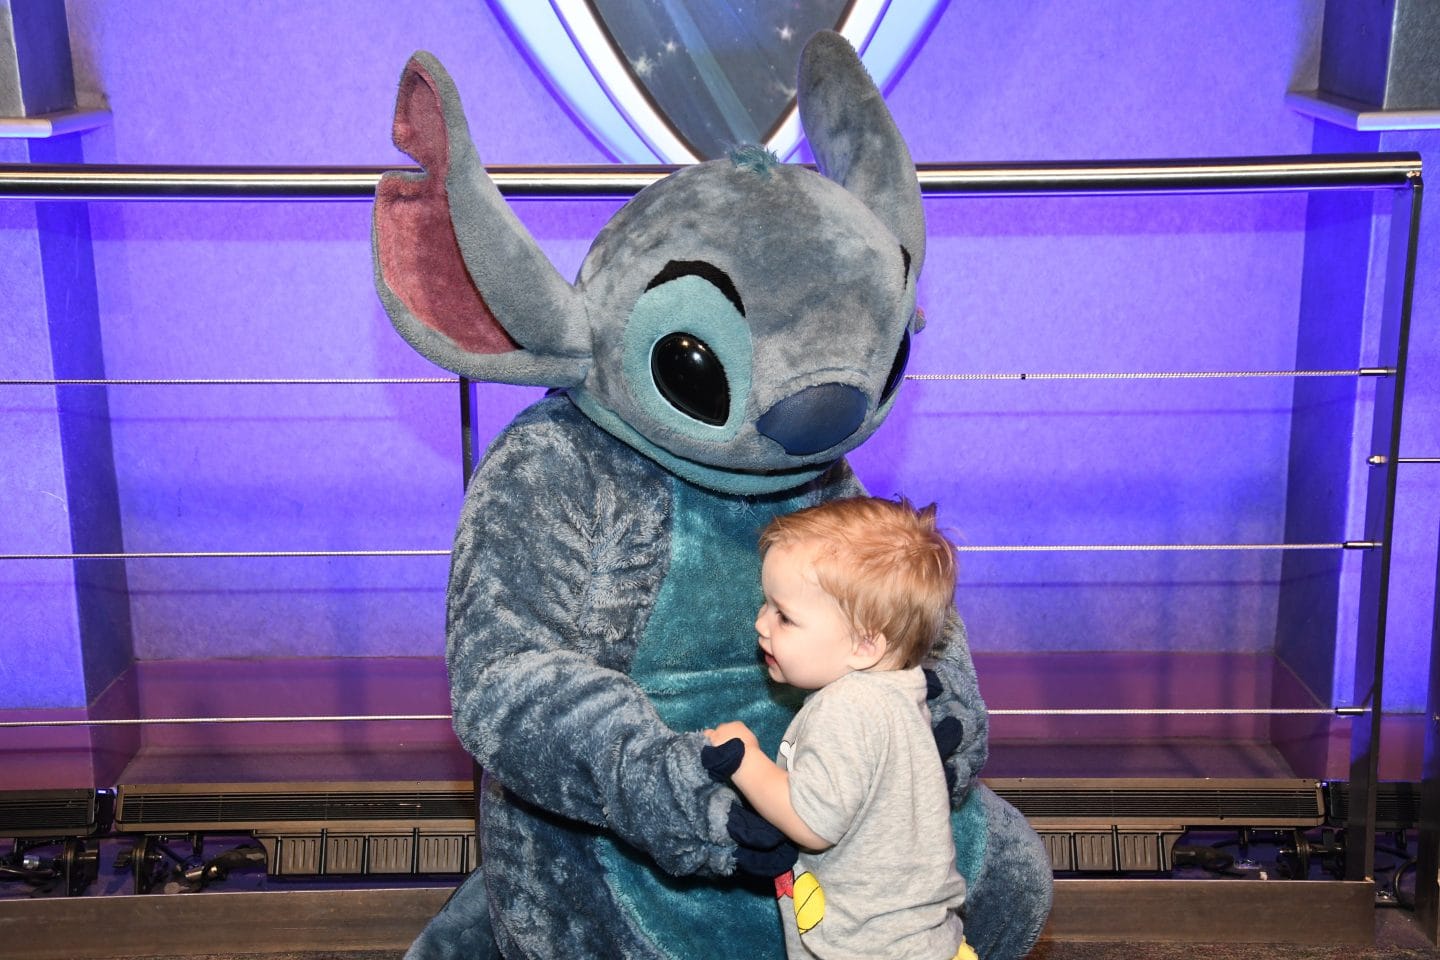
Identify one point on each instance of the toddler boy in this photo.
(857, 591)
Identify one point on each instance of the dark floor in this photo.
(1397, 937)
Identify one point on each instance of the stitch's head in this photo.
(743, 322)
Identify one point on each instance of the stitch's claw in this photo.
(760, 849)
(721, 762)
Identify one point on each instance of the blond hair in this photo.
(885, 563)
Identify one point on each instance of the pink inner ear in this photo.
(419, 255)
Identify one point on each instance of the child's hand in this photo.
(733, 730)
(729, 743)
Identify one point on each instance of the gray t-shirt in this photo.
(865, 774)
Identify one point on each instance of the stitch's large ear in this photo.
(460, 276)
(855, 141)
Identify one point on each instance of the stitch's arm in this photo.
(556, 566)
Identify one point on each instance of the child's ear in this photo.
(869, 650)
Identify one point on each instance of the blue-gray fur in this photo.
(545, 695)
(843, 328)
(605, 576)
(528, 296)
(855, 140)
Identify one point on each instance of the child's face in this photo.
(807, 640)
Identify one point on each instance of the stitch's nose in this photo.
(814, 419)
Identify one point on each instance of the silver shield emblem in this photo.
(677, 81)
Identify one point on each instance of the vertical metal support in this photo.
(1402, 250)
(1427, 860)
(467, 430)
(467, 463)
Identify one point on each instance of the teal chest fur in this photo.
(697, 662)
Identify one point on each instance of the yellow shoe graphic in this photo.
(809, 902)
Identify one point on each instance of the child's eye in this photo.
(780, 615)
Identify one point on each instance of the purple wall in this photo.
(267, 290)
(40, 661)
(1105, 285)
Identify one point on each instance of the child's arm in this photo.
(766, 786)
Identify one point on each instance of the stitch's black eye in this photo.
(691, 378)
(897, 369)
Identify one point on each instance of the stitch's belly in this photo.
(703, 917)
(697, 662)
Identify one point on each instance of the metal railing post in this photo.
(1402, 251)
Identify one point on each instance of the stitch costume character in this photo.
(734, 330)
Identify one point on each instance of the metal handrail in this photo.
(1216, 175)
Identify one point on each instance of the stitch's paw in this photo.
(933, 687)
(949, 732)
(721, 762)
(761, 849)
